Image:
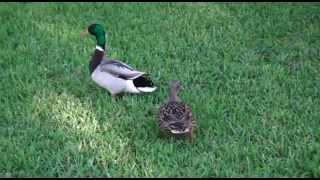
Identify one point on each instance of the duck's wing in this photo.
(119, 69)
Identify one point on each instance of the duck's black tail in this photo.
(143, 81)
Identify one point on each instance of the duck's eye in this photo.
(92, 28)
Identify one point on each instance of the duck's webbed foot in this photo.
(190, 136)
(116, 96)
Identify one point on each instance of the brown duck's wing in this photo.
(174, 114)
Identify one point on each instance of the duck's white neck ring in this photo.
(99, 48)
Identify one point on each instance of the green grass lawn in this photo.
(251, 73)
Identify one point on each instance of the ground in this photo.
(250, 73)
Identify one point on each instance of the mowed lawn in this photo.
(251, 73)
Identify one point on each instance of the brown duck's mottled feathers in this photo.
(175, 117)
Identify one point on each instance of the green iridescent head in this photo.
(98, 31)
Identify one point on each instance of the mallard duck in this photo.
(114, 75)
(175, 117)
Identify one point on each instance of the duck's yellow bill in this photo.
(84, 33)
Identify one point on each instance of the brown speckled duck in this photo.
(175, 117)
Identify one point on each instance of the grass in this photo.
(250, 72)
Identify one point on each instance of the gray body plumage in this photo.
(117, 77)
(119, 69)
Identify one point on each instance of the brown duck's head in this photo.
(175, 87)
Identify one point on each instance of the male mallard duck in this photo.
(113, 75)
(175, 117)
